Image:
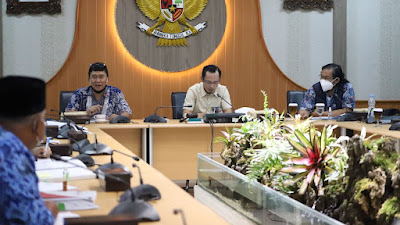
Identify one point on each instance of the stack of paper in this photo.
(51, 170)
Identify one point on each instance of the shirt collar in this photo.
(202, 91)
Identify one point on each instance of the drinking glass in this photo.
(292, 109)
(377, 114)
(320, 108)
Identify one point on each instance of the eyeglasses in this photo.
(210, 83)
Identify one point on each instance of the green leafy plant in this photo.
(246, 144)
(390, 208)
(317, 159)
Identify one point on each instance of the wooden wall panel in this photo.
(242, 56)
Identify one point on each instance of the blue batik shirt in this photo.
(348, 99)
(20, 201)
(116, 101)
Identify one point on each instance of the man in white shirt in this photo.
(207, 95)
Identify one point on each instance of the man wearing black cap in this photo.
(99, 98)
(22, 127)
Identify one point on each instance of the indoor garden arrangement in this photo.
(354, 180)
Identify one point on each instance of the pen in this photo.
(47, 145)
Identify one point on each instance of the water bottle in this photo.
(371, 106)
(330, 113)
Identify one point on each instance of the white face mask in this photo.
(326, 85)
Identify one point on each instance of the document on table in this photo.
(51, 170)
(53, 186)
(72, 200)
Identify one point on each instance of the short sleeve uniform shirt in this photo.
(200, 101)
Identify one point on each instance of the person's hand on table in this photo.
(200, 115)
(40, 152)
(304, 113)
(112, 116)
(94, 109)
(315, 113)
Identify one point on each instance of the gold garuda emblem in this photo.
(171, 13)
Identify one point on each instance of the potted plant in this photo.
(354, 180)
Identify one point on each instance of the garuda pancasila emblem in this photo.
(171, 13)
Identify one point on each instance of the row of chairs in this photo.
(178, 98)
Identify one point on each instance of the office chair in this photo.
(294, 97)
(177, 99)
(65, 97)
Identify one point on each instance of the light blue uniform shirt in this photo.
(20, 201)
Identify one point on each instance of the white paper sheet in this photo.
(51, 170)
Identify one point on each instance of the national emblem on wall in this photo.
(171, 14)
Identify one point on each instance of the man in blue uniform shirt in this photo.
(99, 98)
(22, 127)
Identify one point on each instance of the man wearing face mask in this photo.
(333, 90)
(99, 98)
(22, 127)
(204, 95)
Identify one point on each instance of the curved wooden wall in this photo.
(242, 56)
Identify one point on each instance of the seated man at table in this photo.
(99, 98)
(333, 90)
(22, 126)
(207, 94)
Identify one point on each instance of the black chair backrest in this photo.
(177, 99)
(294, 97)
(65, 97)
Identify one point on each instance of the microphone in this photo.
(140, 173)
(122, 153)
(180, 211)
(75, 146)
(96, 148)
(95, 142)
(143, 211)
(118, 170)
(112, 165)
(219, 96)
(159, 119)
(135, 200)
(70, 126)
(67, 120)
(145, 192)
(59, 158)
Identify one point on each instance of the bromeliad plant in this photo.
(318, 158)
(283, 155)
